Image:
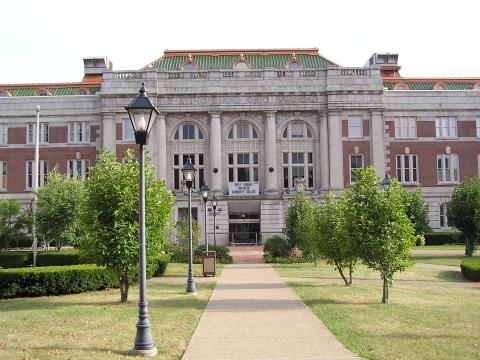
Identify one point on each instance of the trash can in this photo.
(209, 263)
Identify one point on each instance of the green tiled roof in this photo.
(224, 62)
(22, 92)
(55, 91)
(429, 85)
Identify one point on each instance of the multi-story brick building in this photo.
(257, 123)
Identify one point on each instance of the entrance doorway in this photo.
(244, 229)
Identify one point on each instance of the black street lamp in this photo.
(215, 212)
(142, 115)
(189, 171)
(385, 182)
(205, 190)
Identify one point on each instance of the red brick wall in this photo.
(366, 128)
(17, 135)
(118, 131)
(425, 129)
(121, 148)
(345, 128)
(58, 134)
(467, 129)
(348, 149)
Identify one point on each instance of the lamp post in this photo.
(189, 171)
(35, 170)
(385, 182)
(205, 190)
(215, 212)
(142, 115)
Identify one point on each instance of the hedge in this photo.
(276, 246)
(441, 238)
(223, 254)
(13, 259)
(163, 261)
(471, 269)
(54, 280)
(16, 259)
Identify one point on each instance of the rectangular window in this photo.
(179, 161)
(405, 127)
(296, 130)
(128, 133)
(407, 168)
(79, 132)
(3, 175)
(448, 168)
(242, 167)
(446, 126)
(477, 121)
(356, 162)
(355, 128)
(78, 168)
(43, 136)
(297, 170)
(3, 134)
(42, 173)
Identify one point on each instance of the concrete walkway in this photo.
(252, 314)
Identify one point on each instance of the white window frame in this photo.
(233, 133)
(351, 168)
(43, 136)
(477, 122)
(127, 130)
(448, 174)
(405, 127)
(42, 173)
(177, 169)
(446, 127)
(78, 132)
(3, 175)
(289, 166)
(197, 132)
(79, 168)
(252, 166)
(3, 134)
(411, 170)
(352, 126)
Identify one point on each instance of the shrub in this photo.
(54, 280)
(441, 238)
(58, 258)
(276, 247)
(223, 254)
(163, 261)
(471, 269)
(11, 259)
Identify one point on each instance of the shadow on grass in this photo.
(80, 349)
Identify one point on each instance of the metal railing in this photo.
(245, 238)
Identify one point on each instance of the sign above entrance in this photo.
(250, 188)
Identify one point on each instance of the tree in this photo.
(297, 209)
(13, 221)
(463, 211)
(385, 234)
(306, 226)
(182, 234)
(332, 238)
(60, 205)
(417, 210)
(111, 216)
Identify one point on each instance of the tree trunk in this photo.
(385, 290)
(468, 247)
(341, 274)
(350, 269)
(124, 289)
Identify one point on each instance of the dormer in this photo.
(96, 65)
(388, 63)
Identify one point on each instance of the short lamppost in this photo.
(214, 212)
(385, 182)
(142, 115)
(189, 171)
(205, 190)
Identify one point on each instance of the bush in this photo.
(21, 241)
(58, 258)
(284, 260)
(276, 247)
(13, 259)
(163, 261)
(54, 280)
(441, 238)
(471, 269)
(223, 254)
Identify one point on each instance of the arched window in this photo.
(5, 93)
(401, 86)
(82, 91)
(296, 130)
(188, 132)
(476, 86)
(294, 65)
(43, 92)
(440, 86)
(241, 66)
(189, 66)
(242, 130)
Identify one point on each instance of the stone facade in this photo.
(266, 127)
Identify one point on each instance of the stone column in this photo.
(161, 136)
(215, 179)
(271, 184)
(335, 150)
(109, 133)
(377, 141)
(324, 166)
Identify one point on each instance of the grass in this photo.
(96, 325)
(441, 247)
(452, 260)
(421, 322)
(322, 271)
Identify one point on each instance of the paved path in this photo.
(246, 254)
(252, 314)
(438, 252)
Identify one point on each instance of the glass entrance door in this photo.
(244, 233)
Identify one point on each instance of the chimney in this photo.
(96, 65)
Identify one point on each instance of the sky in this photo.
(45, 41)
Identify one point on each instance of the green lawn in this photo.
(421, 322)
(96, 325)
(452, 260)
(440, 247)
